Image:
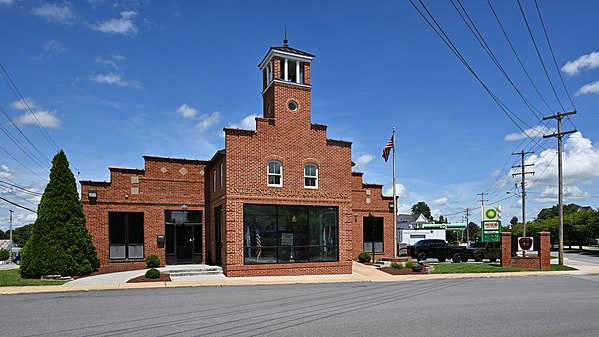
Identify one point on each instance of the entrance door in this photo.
(185, 240)
(183, 237)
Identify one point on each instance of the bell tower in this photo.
(286, 84)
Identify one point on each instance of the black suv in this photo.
(484, 250)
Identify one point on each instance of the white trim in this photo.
(297, 71)
(286, 73)
(314, 177)
(268, 174)
(290, 56)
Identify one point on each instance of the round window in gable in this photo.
(292, 105)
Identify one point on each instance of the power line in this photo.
(22, 134)
(481, 40)
(21, 188)
(20, 206)
(539, 55)
(553, 56)
(20, 97)
(517, 56)
(25, 166)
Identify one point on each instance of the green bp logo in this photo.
(491, 213)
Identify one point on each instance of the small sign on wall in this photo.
(525, 243)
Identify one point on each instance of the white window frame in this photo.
(273, 174)
(222, 175)
(315, 177)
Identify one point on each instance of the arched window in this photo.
(275, 173)
(310, 176)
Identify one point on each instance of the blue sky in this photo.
(112, 81)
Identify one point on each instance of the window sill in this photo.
(126, 260)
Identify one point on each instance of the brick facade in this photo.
(237, 176)
(541, 262)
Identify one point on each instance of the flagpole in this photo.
(394, 202)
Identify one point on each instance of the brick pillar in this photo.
(545, 250)
(506, 250)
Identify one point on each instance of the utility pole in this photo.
(467, 226)
(10, 222)
(482, 202)
(523, 185)
(559, 134)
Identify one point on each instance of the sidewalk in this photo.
(361, 273)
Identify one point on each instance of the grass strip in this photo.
(12, 278)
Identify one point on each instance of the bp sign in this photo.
(491, 224)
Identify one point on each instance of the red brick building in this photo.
(280, 200)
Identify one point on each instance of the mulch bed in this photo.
(163, 278)
(400, 271)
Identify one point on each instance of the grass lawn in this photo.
(458, 268)
(11, 278)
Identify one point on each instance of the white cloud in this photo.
(24, 104)
(123, 25)
(536, 132)
(247, 123)
(439, 201)
(400, 191)
(187, 111)
(115, 79)
(590, 88)
(50, 49)
(404, 209)
(549, 194)
(6, 3)
(46, 118)
(580, 159)
(584, 62)
(56, 13)
(113, 61)
(6, 172)
(495, 173)
(207, 121)
(363, 160)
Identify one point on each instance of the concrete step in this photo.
(193, 270)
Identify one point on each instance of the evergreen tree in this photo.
(59, 242)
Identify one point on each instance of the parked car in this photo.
(439, 249)
(484, 250)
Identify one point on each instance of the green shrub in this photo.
(4, 254)
(396, 265)
(153, 273)
(364, 257)
(59, 243)
(152, 261)
(411, 264)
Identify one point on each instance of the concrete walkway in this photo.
(361, 273)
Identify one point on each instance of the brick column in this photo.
(545, 250)
(506, 250)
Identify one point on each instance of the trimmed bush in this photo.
(411, 264)
(396, 265)
(153, 273)
(152, 261)
(59, 243)
(4, 254)
(364, 257)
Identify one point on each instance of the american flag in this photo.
(258, 239)
(387, 149)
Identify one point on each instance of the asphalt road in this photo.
(516, 306)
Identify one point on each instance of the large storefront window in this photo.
(126, 235)
(289, 234)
